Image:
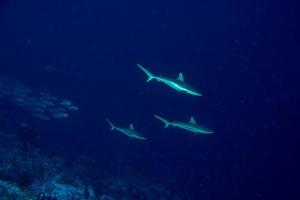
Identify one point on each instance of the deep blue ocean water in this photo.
(242, 56)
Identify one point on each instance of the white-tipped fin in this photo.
(166, 122)
(131, 127)
(180, 77)
(192, 120)
(150, 76)
(111, 124)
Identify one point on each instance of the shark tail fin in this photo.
(111, 124)
(166, 122)
(150, 76)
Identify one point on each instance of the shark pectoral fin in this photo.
(131, 127)
(180, 77)
(192, 120)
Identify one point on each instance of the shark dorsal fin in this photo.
(192, 120)
(131, 127)
(180, 77)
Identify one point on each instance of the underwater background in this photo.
(67, 66)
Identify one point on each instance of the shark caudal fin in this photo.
(166, 122)
(111, 124)
(150, 76)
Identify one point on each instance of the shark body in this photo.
(178, 84)
(130, 132)
(191, 125)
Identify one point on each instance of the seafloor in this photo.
(28, 171)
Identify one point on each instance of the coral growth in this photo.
(34, 173)
(57, 190)
(31, 174)
(11, 191)
(128, 188)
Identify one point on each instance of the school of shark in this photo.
(179, 85)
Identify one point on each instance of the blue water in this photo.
(242, 56)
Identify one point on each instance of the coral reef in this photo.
(127, 188)
(24, 167)
(31, 174)
(61, 191)
(11, 191)
(37, 175)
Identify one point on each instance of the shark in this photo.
(130, 132)
(191, 125)
(178, 84)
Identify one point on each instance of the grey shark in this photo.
(191, 125)
(130, 132)
(178, 84)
